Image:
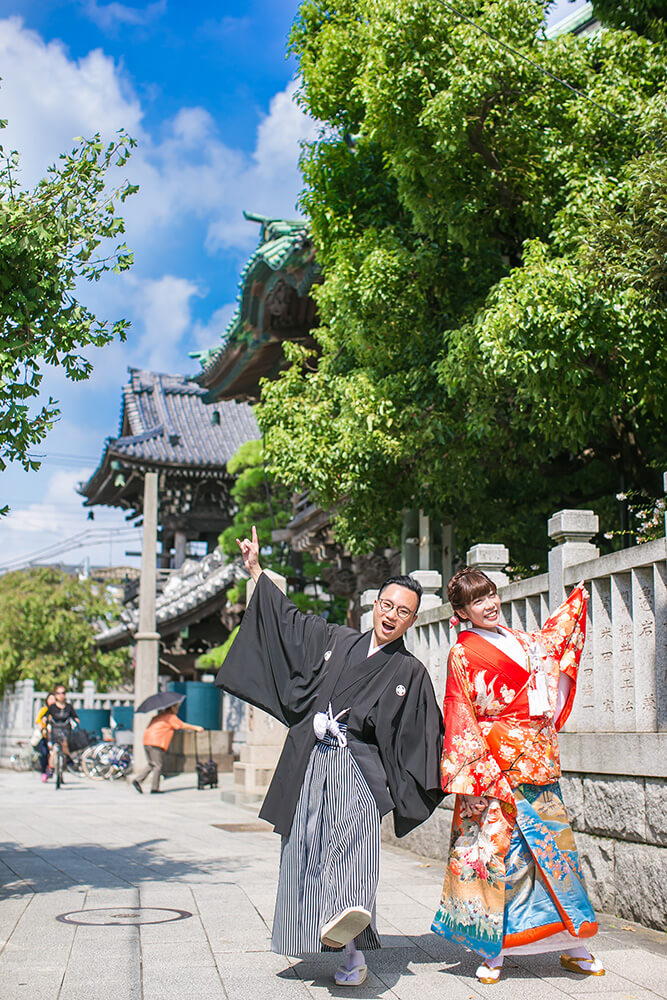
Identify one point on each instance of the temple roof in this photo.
(191, 593)
(273, 306)
(165, 424)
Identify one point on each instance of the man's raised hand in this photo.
(250, 552)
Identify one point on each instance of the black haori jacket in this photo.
(293, 665)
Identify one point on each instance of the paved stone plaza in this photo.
(102, 848)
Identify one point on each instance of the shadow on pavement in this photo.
(26, 870)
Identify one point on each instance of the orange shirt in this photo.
(159, 731)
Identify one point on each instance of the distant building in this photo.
(166, 427)
(581, 21)
(274, 306)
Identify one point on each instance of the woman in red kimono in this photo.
(513, 883)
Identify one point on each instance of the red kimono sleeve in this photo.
(468, 767)
(564, 633)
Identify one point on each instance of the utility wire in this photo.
(521, 55)
(91, 537)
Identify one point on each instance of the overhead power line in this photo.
(92, 537)
(522, 55)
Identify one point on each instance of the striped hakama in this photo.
(331, 858)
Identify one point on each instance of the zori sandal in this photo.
(579, 965)
(350, 977)
(345, 926)
(488, 974)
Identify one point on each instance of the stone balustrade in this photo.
(20, 704)
(614, 745)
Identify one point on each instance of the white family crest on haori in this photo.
(327, 654)
(400, 690)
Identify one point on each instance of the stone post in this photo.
(366, 604)
(89, 694)
(572, 531)
(25, 716)
(431, 582)
(180, 540)
(265, 735)
(492, 560)
(424, 541)
(147, 639)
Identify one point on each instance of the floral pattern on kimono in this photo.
(492, 747)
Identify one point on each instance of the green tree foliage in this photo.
(51, 238)
(485, 354)
(642, 16)
(47, 623)
(213, 658)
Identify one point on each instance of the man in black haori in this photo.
(365, 736)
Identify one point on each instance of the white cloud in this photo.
(188, 173)
(111, 16)
(194, 187)
(57, 529)
(163, 310)
(208, 334)
(49, 98)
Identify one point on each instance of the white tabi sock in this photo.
(353, 958)
(588, 963)
(491, 965)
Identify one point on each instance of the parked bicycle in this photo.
(25, 757)
(106, 761)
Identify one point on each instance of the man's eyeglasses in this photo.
(387, 606)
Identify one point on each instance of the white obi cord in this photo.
(327, 722)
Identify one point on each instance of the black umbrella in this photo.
(163, 699)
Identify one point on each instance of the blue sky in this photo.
(206, 89)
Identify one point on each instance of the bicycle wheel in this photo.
(21, 759)
(121, 763)
(92, 764)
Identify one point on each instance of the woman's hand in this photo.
(584, 593)
(473, 805)
(250, 552)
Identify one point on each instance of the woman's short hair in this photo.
(467, 585)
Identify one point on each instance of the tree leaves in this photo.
(493, 247)
(51, 239)
(48, 620)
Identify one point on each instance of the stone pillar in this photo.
(492, 560)
(147, 639)
(447, 553)
(89, 694)
(572, 531)
(424, 541)
(431, 582)
(25, 717)
(366, 602)
(265, 735)
(180, 539)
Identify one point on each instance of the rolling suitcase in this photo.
(207, 770)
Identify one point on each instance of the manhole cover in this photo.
(242, 827)
(124, 916)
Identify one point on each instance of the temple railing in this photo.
(623, 674)
(20, 704)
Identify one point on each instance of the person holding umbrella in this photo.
(158, 735)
